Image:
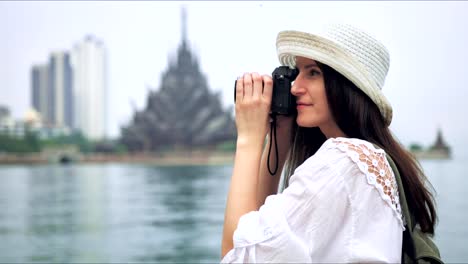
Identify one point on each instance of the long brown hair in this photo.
(358, 117)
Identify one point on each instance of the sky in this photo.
(426, 83)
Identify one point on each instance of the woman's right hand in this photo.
(253, 101)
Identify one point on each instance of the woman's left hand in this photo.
(253, 101)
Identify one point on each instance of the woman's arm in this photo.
(242, 192)
(253, 100)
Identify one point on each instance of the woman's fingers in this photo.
(252, 110)
(254, 86)
(267, 87)
(257, 86)
(248, 87)
(240, 89)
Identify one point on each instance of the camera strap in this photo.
(273, 135)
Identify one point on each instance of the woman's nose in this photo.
(296, 88)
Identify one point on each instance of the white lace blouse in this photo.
(341, 205)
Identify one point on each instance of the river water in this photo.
(140, 213)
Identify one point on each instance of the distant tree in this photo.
(228, 146)
(32, 141)
(109, 146)
(12, 144)
(75, 138)
(415, 147)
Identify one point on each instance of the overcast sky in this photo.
(426, 84)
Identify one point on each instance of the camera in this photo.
(282, 101)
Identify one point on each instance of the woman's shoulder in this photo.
(353, 151)
(350, 144)
(344, 153)
(362, 158)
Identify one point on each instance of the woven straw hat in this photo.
(352, 52)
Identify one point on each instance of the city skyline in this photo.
(425, 84)
(69, 91)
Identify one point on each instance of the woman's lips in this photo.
(302, 105)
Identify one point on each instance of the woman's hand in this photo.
(253, 101)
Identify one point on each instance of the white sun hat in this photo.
(350, 51)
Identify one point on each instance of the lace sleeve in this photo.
(373, 163)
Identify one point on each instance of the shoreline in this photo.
(179, 158)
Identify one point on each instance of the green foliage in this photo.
(227, 146)
(31, 139)
(31, 143)
(109, 146)
(415, 147)
(120, 148)
(76, 138)
(28, 143)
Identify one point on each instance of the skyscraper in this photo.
(89, 85)
(60, 77)
(51, 86)
(41, 92)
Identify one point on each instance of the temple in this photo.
(440, 146)
(183, 113)
(439, 150)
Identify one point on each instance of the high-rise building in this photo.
(60, 81)
(52, 88)
(41, 92)
(89, 87)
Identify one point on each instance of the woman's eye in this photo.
(314, 73)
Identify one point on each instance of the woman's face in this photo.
(309, 90)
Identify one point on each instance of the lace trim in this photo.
(373, 163)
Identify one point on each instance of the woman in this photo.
(341, 200)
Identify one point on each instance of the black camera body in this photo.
(282, 101)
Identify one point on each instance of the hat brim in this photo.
(291, 44)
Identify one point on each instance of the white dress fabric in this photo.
(341, 205)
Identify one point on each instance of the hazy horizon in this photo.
(426, 83)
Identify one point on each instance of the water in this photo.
(111, 213)
(137, 213)
(450, 179)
